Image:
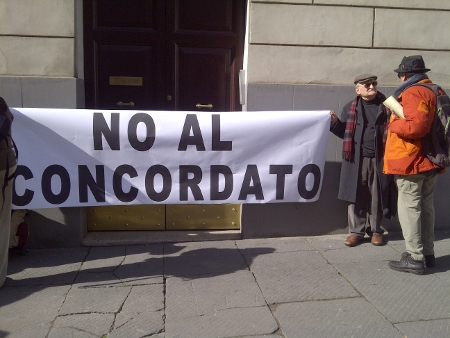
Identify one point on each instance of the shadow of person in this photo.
(122, 266)
(442, 264)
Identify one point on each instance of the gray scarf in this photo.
(412, 80)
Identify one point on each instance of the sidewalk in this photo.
(281, 287)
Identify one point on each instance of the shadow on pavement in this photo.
(119, 266)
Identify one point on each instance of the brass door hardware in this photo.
(125, 81)
(209, 106)
(124, 104)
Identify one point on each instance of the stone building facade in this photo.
(298, 55)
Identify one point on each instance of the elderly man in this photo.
(363, 127)
(415, 174)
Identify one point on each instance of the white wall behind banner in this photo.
(76, 157)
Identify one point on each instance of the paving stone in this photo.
(102, 259)
(354, 317)
(137, 325)
(202, 296)
(216, 306)
(144, 299)
(441, 243)
(188, 259)
(82, 325)
(442, 252)
(365, 252)
(143, 264)
(394, 236)
(442, 246)
(250, 247)
(94, 299)
(23, 313)
(399, 296)
(442, 235)
(298, 276)
(333, 242)
(398, 245)
(45, 267)
(224, 323)
(442, 269)
(264, 336)
(96, 279)
(430, 328)
(324, 243)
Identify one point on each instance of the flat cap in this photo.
(364, 78)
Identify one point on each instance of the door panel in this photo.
(124, 39)
(208, 68)
(203, 216)
(209, 35)
(130, 14)
(204, 15)
(124, 79)
(135, 217)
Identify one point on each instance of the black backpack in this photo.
(436, 144)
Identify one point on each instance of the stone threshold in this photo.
(111, 238)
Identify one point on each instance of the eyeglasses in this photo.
(399, 75)
(367, 85)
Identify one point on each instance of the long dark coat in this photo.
(350, 170)
(7, 153)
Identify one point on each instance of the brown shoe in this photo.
(377, 240)
(352, 240)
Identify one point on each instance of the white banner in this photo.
(78, 157)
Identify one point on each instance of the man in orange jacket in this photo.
(415, 174)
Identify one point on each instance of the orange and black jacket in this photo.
(403, 153)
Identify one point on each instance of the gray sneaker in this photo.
(407, 264)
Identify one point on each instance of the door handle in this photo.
(209, 105)
(124, 104)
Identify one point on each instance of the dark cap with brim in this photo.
(364, 78)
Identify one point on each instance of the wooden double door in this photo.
(163, 55)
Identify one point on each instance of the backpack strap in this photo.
(17, 156)
(434, 87)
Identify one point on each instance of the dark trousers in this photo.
(365, 215)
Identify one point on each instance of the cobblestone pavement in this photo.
(278, 287)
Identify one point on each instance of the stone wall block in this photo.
(428, 4)
(46, 92)
(309, 2)
(37, 18)
(396, 28)
(30, 56)
(311, 25)
(335, 65)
